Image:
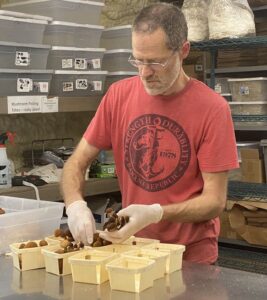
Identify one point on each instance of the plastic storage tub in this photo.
(117, 60)
(175, 255)
(77, 83)
(248, 108)
(75, 58)
(131, 274)
(90, 266)
(160, 259)
(26, 56)
(116, 76)
(118, 248)
(28, 258)
(87, 12)
(14, 82)
(68, 34)
(118, 37)
(248, 89)
(21, 30)
(27, 219)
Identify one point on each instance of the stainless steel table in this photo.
(200, 282)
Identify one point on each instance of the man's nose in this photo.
(145, 70)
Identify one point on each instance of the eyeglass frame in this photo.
(138, 63)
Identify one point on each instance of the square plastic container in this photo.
(140, 242)
(90, 266)
(15, 82)
(77, 83)
(159, 257)
(118, 248)
(249, 108)
(131, 274)
(29, 258)
(56, 263)
(175, 255)
(26, 56)
(116, 76)
(21, 29)
(27, 219)
(248, 89)
(68, 34)
(117, 60)
(119, 37)
(87, 12)
(71, 58)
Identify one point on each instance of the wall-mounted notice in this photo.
(31, 104)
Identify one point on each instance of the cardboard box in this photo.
(227, 231)
(252, 166)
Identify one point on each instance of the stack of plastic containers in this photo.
(74, 34)
(23, 57)
(117, 41)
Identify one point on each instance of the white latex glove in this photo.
(81, 222)
(140, 216)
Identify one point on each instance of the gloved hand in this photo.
(81, 222)
(140, 216)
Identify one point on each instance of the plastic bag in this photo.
(195, 12)
(230, 19)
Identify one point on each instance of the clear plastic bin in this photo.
(131, 274)
(248, 108)
(27, 219)
(175, 255)
(116, 76)
(21, 30)
(77, 83)
(90, 266)
(119, 37)
(28, 258)
(159, 257)
(14, 82)
(72, 34)
(117, 60)
(26, 56)
(87, 12)
(248, 89)
(72, 58)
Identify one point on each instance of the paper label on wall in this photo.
(96, 63)
(97, 85)
(24, 85)
(50, 104)
(22, 58)
(80, 63)
(218, 88)
(67, 63)
(24, 104)
(43, 87)
(81, 84)
(68, 86)
(244, 90)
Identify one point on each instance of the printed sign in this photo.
(244, 90)
(97, 85)
(81, 84)
(50, 105)
(68, 86)
(96, 63)
(24, 85)
(80, 63)
(24, 104)
(22, 58)
(67, 63)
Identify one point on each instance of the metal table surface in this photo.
(194, 281)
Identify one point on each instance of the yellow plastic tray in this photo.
(29, 258)
(131, 274)
(93, 269)
(175, 255)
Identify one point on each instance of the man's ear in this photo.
(185, 49)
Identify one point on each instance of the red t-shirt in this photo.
(161, 145)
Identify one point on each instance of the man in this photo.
(173, 143)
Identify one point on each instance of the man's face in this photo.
(151, 47)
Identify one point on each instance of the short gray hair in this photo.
(167, 17)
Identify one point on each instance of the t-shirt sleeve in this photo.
(218, 151)
(98, 132)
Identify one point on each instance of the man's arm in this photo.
(73, 176)
(204, 207)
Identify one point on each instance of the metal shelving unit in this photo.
(238, 190)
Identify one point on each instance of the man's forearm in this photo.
(198, 209)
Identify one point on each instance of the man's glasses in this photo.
(156, 66)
